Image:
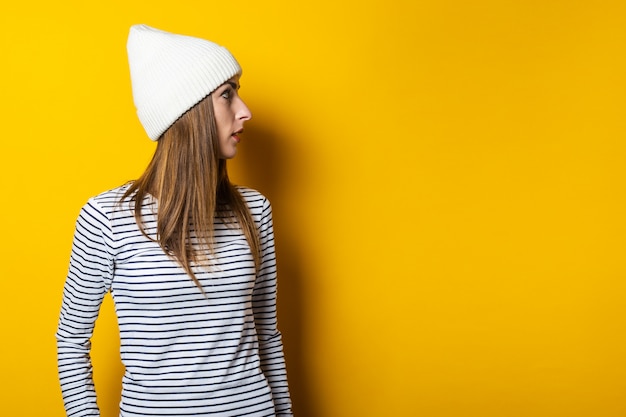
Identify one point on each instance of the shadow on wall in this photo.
(266, 165)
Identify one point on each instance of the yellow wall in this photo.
(447, 179)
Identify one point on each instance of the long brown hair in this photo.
(190, 182)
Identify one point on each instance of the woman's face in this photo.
(230, 115)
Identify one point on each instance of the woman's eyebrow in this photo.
(234, 85)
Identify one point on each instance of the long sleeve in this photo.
(264, 306)
(88, 280)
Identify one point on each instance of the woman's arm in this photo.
(264, 306)
(88, 280)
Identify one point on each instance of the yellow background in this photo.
(447, 179)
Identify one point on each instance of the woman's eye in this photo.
(226, 94)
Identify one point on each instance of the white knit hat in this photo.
(171, 73)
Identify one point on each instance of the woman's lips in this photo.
(236, 137)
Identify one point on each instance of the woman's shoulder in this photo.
(256, 201)
(110, 197)
(108, 201)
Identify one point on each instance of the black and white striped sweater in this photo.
(184, 353)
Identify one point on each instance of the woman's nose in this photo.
(243, 112)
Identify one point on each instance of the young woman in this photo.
(187, 256)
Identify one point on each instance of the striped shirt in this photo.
(185, 353)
